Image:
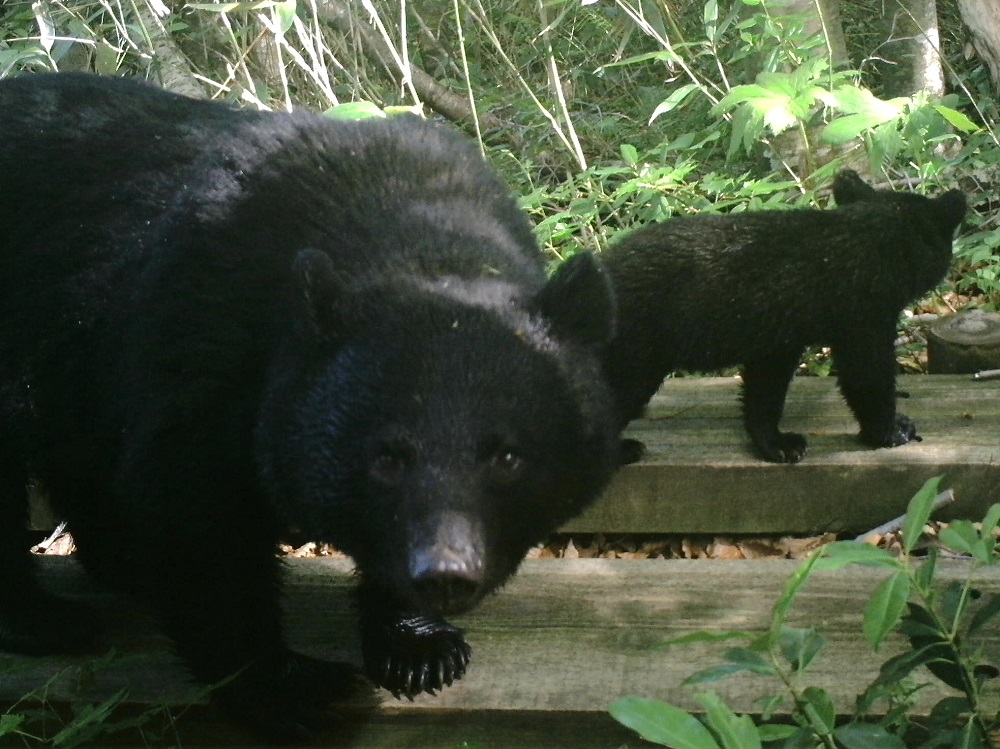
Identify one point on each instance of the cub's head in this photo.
(435, 431)
(942, 214)
(914, 232)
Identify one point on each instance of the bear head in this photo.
(437, 428)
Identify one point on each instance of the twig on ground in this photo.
(896, 524)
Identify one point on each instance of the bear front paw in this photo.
(902, 431)
(416, 654)
(783, 447)
(630, 451)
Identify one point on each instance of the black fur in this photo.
(754, 289)
(218, 324)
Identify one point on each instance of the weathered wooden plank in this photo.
(565, 636)
(700, 477)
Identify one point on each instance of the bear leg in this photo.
(765, 384)
(224, 617)
(866, 373)
(32, 620)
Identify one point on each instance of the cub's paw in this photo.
(415, 654)
(783, 447)
(44, 624)
(903, 430)
(630, 451)
(291, 698)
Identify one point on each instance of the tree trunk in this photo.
(912, 48)
(983, 19)
(791, 152)
(824, 18)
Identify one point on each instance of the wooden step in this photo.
(699, 475)
(550, 652)
(567, 637)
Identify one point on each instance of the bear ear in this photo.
(848, 187)
(578, 301)
(317, 292)
(951, 209)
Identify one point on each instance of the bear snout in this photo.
(447, 575)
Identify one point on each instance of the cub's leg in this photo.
(866, 373)
(765, 384)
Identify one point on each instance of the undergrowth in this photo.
(941, 623)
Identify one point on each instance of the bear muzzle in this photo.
(448, 574)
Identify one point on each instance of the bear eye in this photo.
(391, 462)
(506, 465)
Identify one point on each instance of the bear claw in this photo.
(417, 654)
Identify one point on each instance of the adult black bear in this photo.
(754, 289)
(219, 324)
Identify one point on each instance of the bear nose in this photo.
(448, 573)
(446, 582)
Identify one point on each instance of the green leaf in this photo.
(717, 673)
(732, 731)
(992, 518)
(663, 55)
(969, 738)
(703, 636)
(819, 710)
(750, 659)
(662, 723)
(229, 7)
(354, 110)
(711, 16)
(844, 129)
(285, 13)
(961, 535)
(89, 722)
(839, 554)
(986, 612)
(775, 731)
(857, 100)
(933, 646)
(885, 608)
(803, 738)
(630, 155)
(948, 711)
(918, 512)
(673, 101)
(773, 100)
(768, 706)
(867, 736)
(956, 119)
(900, 666)
(948, 605)
(924, 575)
(779, 614)
(10, 723)
(800, 646)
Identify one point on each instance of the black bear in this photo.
(224, 324)
(755, 289)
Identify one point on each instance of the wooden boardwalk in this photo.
(700, 477)
(567, 637)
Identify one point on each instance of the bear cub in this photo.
(219, 325)
(755, 289)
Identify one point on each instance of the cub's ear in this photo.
(950, 209)
(316, 291)
(848, 187)
(578, 301)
